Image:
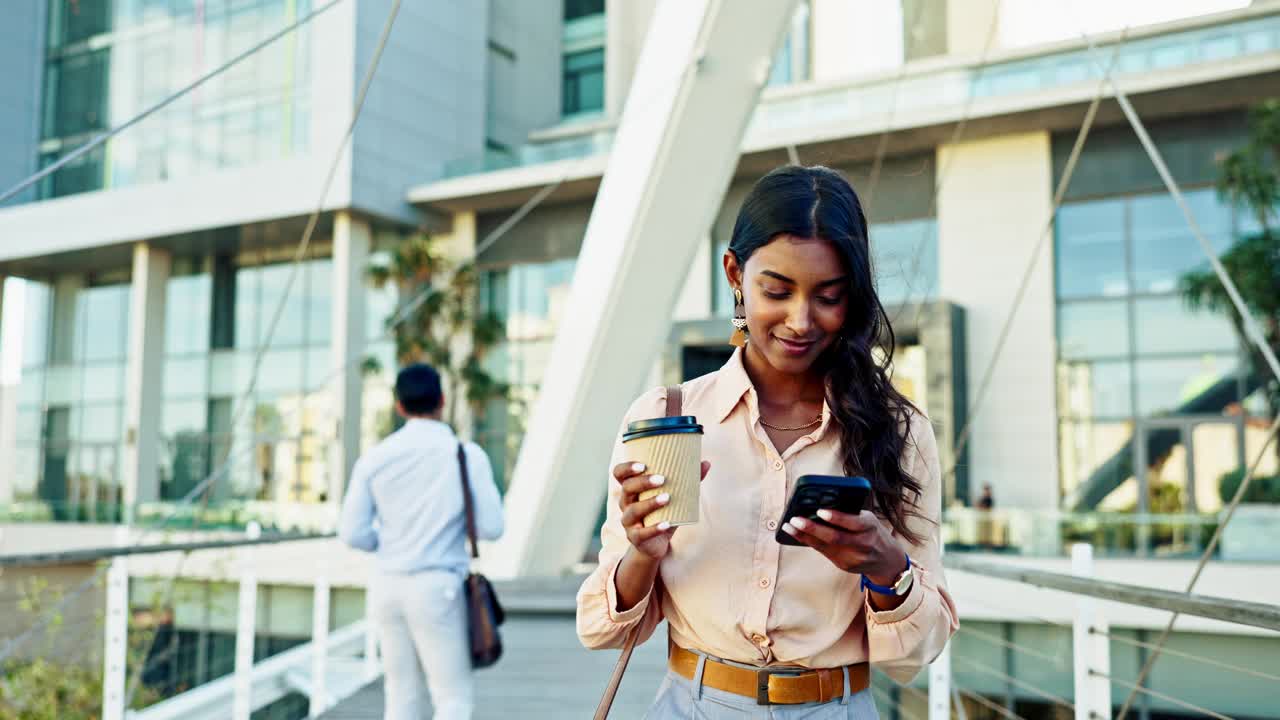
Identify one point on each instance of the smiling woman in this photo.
(804, 395)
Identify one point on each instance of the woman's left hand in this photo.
(854, 543)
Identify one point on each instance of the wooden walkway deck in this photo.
(545, 673)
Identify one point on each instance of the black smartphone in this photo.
(815, 492)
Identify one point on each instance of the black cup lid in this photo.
(662, 426)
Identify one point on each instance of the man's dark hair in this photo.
(418, 389)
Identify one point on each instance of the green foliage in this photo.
(53, 681)
(1261, 489)
(438, 322)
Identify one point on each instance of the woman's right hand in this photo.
(652, 542)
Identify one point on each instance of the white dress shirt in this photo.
(404, 501)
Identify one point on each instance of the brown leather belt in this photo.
(771, 686)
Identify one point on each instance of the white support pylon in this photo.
(697, 82)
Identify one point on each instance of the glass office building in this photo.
(107, 61)
(1156, 400)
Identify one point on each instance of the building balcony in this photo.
(1044, 86)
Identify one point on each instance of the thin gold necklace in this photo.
(806, 426)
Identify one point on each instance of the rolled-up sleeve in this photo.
(905, 639)
(600, 624)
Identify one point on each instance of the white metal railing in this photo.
(1090, 660)
(329, 668)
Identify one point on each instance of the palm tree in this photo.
(438, 321)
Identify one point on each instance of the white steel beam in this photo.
(696, 84)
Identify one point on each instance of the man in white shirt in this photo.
(404, 505)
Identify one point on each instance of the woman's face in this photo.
(796, 293)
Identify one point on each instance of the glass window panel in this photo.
(76, 20)
(583, 85)
(27, 426)
(102, 423)
(538, 295)
(62, 385)
(248, 301)
(1095, 389)
(319, 301)
(319, 369)
(1164, 248)
(574, 9)
(186, 376)
(1215, 452)
(282, 371)
(78, 94)
(289, 330)
(380, 303)
(229, 373)
(31, 388)
(188, 301)
(184, 416)
(35, 330)
(105, 322)
(906, 260)
(1093, 329)
(83, 174)
(26, 471)
(1090, 249)
(103, 382)
(1167, 325)
(1206, 384)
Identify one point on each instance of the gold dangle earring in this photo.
(739, 337)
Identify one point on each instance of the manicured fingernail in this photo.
(786, 527)
(825, 514)
(664, 498)
(664, 525)
(657, 480)
(799, 522)
(637, 467)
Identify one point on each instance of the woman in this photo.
(804, 396)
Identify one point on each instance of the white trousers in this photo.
(422, 625)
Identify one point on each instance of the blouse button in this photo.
(764, 582)
(772, 524)
(759, 639)
(777, 464)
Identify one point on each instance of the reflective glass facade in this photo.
(69, 430)
(530, 299)
(1135, 363)
(108, 61)
(276, 449)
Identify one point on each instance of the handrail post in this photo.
(246, 623)
(940, 685)
(319, 645)
(116, 634)
(1091, 656)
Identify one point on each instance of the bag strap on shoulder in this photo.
(675, 406)
(467, 502)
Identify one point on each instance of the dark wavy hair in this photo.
(873, 417)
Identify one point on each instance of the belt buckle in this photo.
(762, 687)
(762, 682)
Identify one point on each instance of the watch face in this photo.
(904, 581)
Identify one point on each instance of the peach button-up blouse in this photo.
(730, 590)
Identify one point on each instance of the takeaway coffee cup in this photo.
(670, 447)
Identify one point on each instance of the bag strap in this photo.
(467, 501)
(675, 406)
